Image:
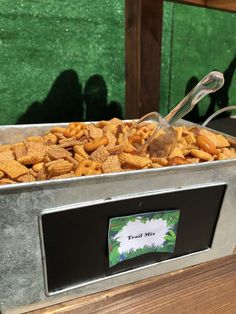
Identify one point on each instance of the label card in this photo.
(131, 236)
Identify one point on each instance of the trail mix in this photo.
(82, 149)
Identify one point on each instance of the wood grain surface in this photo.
(202, 289)
(143, 55)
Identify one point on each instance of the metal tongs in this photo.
(163, 136)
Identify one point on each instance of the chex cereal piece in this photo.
(83, 140)
(6, 155)
(186, 151)
(7, 181)
(31, 159)
(42, 174)
(100, 154)
(86, 134)
(229, 152)
(64, 176)
(13, 168)
(222, 156)
(176, 152)
(35, 153)
(116, 121)
(78, 157)
(123, 140)
(183, 141)
(60, 136)
(57, 152)
(53, 162)
(47, 158)
(111, 127)
(58, 168)
(19, 150)
(28, 177)
(161, 161)
(34, 173)
(69, 142)
(201, 154)
(35, 147)
(115, 150)
(5, 147)
(190, 139)
(73, 161)
(88, 167)
(94, 132)
(1, 174)
(129, 149)
(221, 141)
(50, 138)
(79, 149)
(92, 145)
(179, 132)
(112, 164)
(134, 161)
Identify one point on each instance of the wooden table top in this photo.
(205, 288)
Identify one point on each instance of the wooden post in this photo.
(143, 51)
(143, 56)
(132, 57)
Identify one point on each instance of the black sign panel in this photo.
(75, 240)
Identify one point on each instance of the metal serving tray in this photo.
(23, 269)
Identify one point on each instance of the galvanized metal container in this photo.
(23, 269)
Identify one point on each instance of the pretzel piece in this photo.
(91, 146)
(88, 167)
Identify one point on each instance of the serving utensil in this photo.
(163, 136)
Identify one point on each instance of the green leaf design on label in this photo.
(134, 235)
